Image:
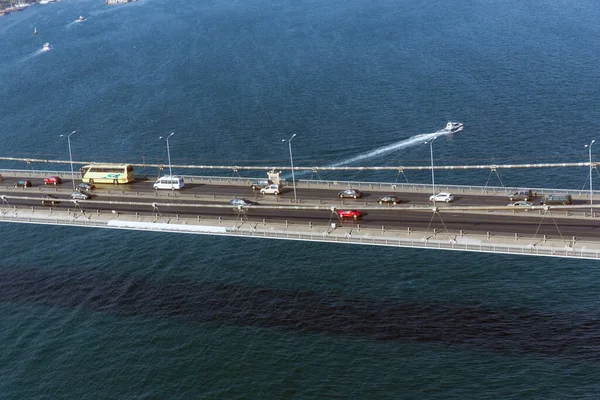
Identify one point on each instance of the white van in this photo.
(271, 189)
(169, 182)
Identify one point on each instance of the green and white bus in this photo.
(107, 173)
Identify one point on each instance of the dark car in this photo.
(391, 199)
(86, 186)
(52, 180)
(557, 199)
(352, 193)
(80, 195)
(257, 185)
(522, 194)
(242, 203)
(23, 184)
(50, 200)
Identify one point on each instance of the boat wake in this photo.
(76, 22)
(30, 56)
(403, 144)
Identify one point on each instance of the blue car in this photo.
(242, 203)
(23, 184)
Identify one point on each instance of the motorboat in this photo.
(81, 18)
(35, 32)
(46, 47)
(453, 127)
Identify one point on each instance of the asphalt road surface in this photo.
(527, 223)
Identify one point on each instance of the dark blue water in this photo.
(118, 315)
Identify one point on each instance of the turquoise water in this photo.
(118, 315)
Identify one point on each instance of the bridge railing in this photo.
(391, 186)
(335, 184)
(475, 243)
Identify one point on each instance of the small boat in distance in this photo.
(46, 47)
(81, 18)
(453, 127)
(35, 31)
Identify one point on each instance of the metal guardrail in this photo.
(327, 236)
(339, 184)
(165, 199)
(315, 167)
(392, 187)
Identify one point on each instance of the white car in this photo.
(521, 203)
(447, 197)
(271, 189)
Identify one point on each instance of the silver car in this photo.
(351, 193)
(80, 196)
(521, 203)
(447, 197)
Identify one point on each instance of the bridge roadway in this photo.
(415, 212)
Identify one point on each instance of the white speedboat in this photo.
(46, 47)
(453, 127)
(81, 18)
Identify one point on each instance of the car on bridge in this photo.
(443, 196)
(88, 187)
(52, 180)
(356, 214)
(557, 199)
(23, 184)
(390, 199)
(521, 203)
(80, 195)
(50, 200)
(257, 185)
(523, 194)
(271, 189)
(350, 193)
(242, 203)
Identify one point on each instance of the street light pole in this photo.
(71, 157)
(432, 172)
(169, 153)
(292, 165)
(589, 147)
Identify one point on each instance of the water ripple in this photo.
(511, 330)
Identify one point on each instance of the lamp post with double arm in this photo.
(71, 157)
(430, 143)
(589, 147)
(292, 165)
(168, 152)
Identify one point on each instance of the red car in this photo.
(356, 214)
(52, 180)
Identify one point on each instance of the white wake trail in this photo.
(412, 141)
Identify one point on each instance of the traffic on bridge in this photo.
(345, 207)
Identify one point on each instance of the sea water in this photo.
(94, 313)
